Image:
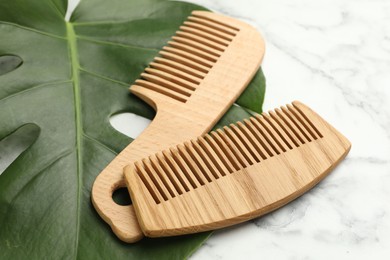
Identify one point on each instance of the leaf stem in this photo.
(75, 67)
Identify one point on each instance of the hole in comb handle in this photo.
(121, 196)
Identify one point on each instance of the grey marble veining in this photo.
(335, 57)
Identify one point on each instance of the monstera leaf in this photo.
(59, 84)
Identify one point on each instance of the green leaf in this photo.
(59, 84)
(253, 97)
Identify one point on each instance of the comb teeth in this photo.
(222, 152)
(189, 56)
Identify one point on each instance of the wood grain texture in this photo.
(234, 174)
(191, 84)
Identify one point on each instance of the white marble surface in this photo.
(334, 55)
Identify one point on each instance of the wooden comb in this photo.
(195, 79)
(235, 174)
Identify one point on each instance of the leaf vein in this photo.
(39, 172)
(99, 143)
(33, 88)
(75, 66)
(116, 44)
(104, 77)
(55, 7)
(32, 30)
